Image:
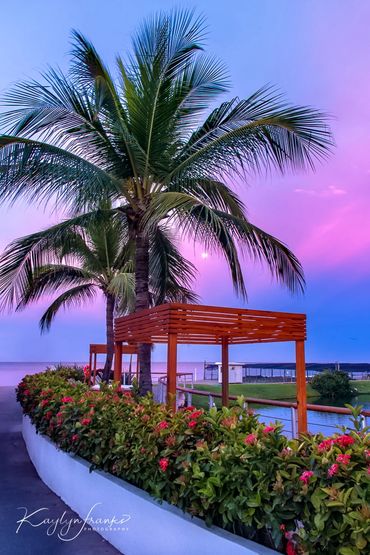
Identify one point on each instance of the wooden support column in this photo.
(301, 387)
(225, 371)
(118, 362)
(90, 368)
(171, 369)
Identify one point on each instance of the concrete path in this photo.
(20, 486)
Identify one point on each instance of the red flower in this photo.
(344, 441)
(367, 453)
(162, 425)
(290, 549)
(192, 423)
(305, 476)
(250, 439)
(75, 437)
(26, 392)
(85, 421)
(368, 470)
(190, 408)
(333, 470)
(343, 459)
(44, 402)
(48, 415)
(163, 464)
(86, 371)
(325, 445)
(268, 429)
(67, 399)
(196, 414)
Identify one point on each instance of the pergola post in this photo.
(90, 366)
(225, 371)
(171, 369)
(301, 387)
(118, 362)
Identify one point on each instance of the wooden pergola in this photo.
(177, 323)
(101, 349)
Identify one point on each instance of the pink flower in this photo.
(192, 423)
(48, 415)
(333, 470)
(67, 399)
(305, 476)
(44, 402)
(368, 470)
(267, 429)
(75, 437)
(163, 464)
(367, 453)
(250, 439)
(325, 445)
(26, 392)
(344, 441)
(343, 459)
(85, 421)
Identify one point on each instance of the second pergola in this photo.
(176, 323)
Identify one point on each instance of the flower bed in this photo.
(299, 496)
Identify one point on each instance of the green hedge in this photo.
(300, 496)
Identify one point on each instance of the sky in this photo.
(318, 54)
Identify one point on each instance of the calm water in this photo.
(12, 372)
(325, 423)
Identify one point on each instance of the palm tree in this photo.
(143, 138)
(92, 252)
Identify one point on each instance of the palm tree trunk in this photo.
(142, 302)
(110, 302)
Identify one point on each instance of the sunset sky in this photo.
(316, 52)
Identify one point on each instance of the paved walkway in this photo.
(20, 486)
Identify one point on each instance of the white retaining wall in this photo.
(151, 528)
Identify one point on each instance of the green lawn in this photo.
(267, 391)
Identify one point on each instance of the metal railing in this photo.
(290, 406)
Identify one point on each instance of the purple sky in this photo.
(318, 53)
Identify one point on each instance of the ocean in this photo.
(11, 373)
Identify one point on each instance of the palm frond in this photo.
(39, 172)
(75, 297)
(171, 275)
(47, 280)
(260, 132)
(122, 286)
(64, 241)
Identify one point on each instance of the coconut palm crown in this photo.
(80, 256)
(150, 139)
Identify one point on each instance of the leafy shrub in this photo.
(305, 496)
(333, 385)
